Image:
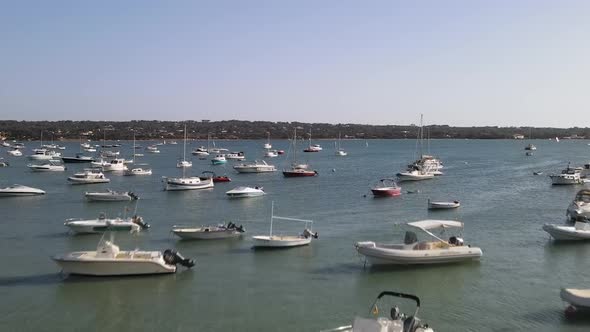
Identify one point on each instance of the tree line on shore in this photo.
(236, 129)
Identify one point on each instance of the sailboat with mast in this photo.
(267, 145)
(530, 146)
(187, 182)
(184, 163)
(312, 147)
(137, 170)
(339, 151)
(296, 169)
(426, 166)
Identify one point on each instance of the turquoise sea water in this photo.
(515, 286)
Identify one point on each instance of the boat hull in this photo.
(20, 193)
(384, 256)
(255, 169)
(73, 160)
(87, 181)
(414, 177)
(579, 298)
(202, 235)
(176, 186)
(378, 192)
(107, 198)
(566, 233)
(280, 241)
(112, 267)
(299, 174)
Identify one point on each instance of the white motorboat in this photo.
(42, 154)
(115, 165)
(15, 152)
(395, 322)
(578, 299)
(20, 190)
(243, 192)
(235, 156)
(109, 260)
(110, 196)
(184, 163)
(200, 151)
(386, 188)
(88, 176)
(187, 183)
(138, 171)
(51, 166)
(579, 208)
(271, 154)
(579, 231)
(416, 173)
(285, 241)
(434, 205)
(5, 144)
(103, 224)
(258, 166)
(230, 230)
(219, 159)
(312, 147)
(568, 176)
(423, 252)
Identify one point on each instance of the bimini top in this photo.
(432, 224)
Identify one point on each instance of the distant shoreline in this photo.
(239, 130)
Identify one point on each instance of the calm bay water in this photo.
(514, 287)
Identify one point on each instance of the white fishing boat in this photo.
(115, 165)
(271, 154)
(230, 230)
(439, 205)
(412, 251)
(219, 159)
(578, 299)
(184, 163)
(235, 156)
(579, 208)
(395, 322)
(415, 173)
(88, 176)
(568, 176)
(579, 231)
(51, 166)
(20, 190)
(257, 166)
(138, 171)
(243, 192)
(103, 224)
(285, 241)
(109, 260)
(42, 154)
(110, 196)
(187, 183)
(14, 153)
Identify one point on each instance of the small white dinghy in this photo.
(284, 241)
(436, 251)
(395, 322)
(580, 231)
(243, 192)
(110, 196)
(230, 230)
(579, 300)
(108, 260)
(443, 205)
(102, 224)
(20, 190)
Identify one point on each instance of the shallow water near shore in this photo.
(514, 287)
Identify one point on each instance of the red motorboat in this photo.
(216, 178)
(386, 188)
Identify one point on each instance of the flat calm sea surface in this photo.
(515, 286)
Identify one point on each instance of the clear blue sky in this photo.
(380, 62)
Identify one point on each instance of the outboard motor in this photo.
(139, 221)
(133, 195)
(172, 257)
(240, 229)
(307, 233)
